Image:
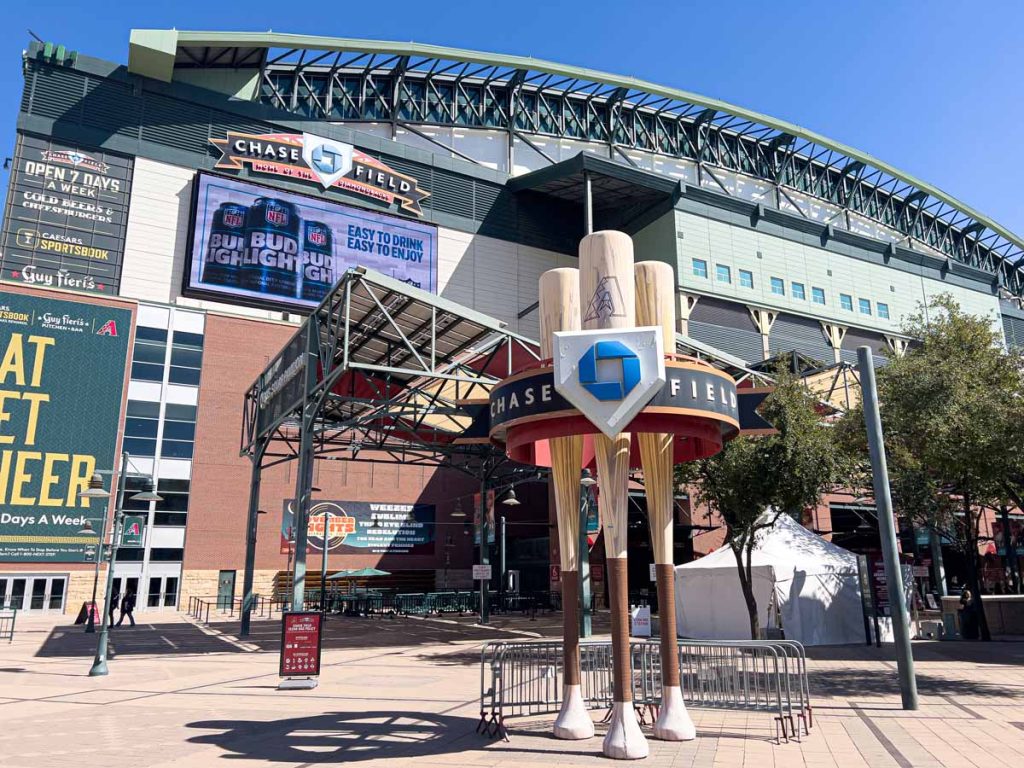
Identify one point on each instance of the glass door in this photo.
(16, 598)
(56, 602)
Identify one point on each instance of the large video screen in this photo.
(258, 245)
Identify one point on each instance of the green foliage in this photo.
(952, 413)
(953, 420)
(787, 471)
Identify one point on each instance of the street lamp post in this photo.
(99, 664)
(587, 482)
(95, 491)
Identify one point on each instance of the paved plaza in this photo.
(405, 692)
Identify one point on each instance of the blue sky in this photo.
(934, 88)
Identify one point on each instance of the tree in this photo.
(754, 479)
(952, 418)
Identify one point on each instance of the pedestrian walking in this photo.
(113, 607)
(127, 606)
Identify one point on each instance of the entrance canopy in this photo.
(384, 367)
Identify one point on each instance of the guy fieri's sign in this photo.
(319, 160)
(61, 384)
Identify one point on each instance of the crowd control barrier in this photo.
(7, 619)
(525, 678)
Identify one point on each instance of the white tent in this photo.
(814, 583)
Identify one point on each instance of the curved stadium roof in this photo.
(410, 84)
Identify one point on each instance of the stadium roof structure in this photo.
(411, 84)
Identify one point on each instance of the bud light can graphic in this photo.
(317, 261)
(225, 249)
(271, 248)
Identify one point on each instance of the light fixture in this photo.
(95, 489)
(458, 511)
(315, 489)
(87, 530)
(587, 481)
(147, 494)
(510, 498)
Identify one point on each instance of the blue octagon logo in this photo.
(326, 160)
(616, 389)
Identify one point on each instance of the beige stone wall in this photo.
(79, 590)
(203, 583)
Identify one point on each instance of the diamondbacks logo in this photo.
(109, 328)
(606, 302)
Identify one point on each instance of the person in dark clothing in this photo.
(969, 628)
(127, 606)
(113, 607)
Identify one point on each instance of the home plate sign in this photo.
(301, 635)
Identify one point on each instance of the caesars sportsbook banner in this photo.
(61, 382)
(264, 246)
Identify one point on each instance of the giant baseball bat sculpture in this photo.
(655, 306)
(560, 311)
(607, 290)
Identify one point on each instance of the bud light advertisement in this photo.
(257, 245)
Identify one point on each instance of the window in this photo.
(846, 301)
(149, 354)
(746, 278)
(140, 428)
(778, 286)
(179, 431)
(798, 291)
(186, 358)
(865, 306)
(818, 295)
(700, 268)
(883, 310)
(723, 274)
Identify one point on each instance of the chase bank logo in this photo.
(609, 375)
(615, 389)
(328, 159)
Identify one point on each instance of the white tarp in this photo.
(814, 582)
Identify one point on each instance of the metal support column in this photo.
(304, 475)
(1010, 549)
(252, 521)
(588, 205)
(937, 565)
(887, 530)
(323, 565)
(99, 662)
(583, 564)
(502, 562)
(485, 608)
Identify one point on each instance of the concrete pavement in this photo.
(404, 693)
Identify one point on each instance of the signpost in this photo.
(482, 572)
(301, 637)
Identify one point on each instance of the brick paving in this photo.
(404, 692)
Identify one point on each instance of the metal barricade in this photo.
(8, 616)
(525, 678)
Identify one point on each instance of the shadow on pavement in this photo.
(874, 682)
(970, 652)
(336, 737)
(170, 638)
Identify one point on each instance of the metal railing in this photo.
(200, 607)
(525, 678)
(7, 618)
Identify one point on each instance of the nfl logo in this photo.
(277, 216)
(317, 236)
(233, 219)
